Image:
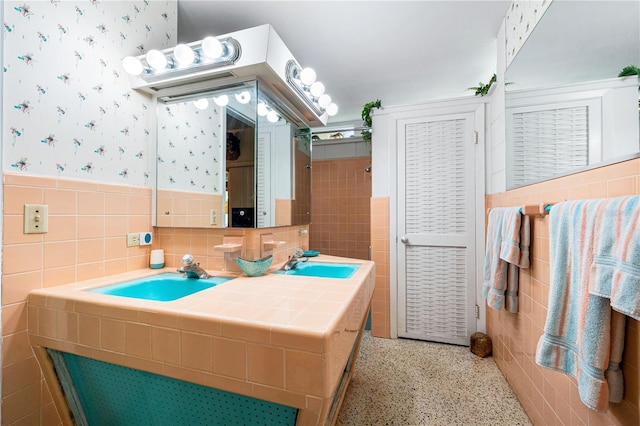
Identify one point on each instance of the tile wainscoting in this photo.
(550, 397)
(88, 223)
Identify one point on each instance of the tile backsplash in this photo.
(88, 223)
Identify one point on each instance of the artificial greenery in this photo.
(482, 89)
(366, 118)
(630, 70)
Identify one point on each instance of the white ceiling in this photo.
(401, 52)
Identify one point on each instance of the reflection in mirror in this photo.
(566, 109)
(240, 160)
(228, 158)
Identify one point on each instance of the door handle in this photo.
(404, 240)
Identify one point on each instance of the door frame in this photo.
(430, 110)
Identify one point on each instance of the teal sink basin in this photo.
(322, 270)
(162, 287)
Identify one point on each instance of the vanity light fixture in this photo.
(317, 89)
(332, 109)
(272, 116)
(221, 100)
(201, 103)
(267, 111)
(230, 60)
(243, 97)
(308, 76)
(324, 101)
(212, 48)
(132, 65)
(156, 60)
(184, 58)
(184, 54)
(304, 82)
(262, 109)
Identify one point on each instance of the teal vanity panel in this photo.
(111, 395)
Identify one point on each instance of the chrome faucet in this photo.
(298, 256)
(192, 269)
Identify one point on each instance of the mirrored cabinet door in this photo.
(230, 158)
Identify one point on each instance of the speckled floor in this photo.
(410, 382)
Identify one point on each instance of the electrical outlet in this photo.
(133, 239)
(36, 218)
(213, 216)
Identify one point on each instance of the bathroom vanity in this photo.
(288, 340)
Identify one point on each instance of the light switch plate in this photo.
(36, 218)
(213, 216)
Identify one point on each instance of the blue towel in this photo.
(580, 331)
(615, 273)
(507, 250)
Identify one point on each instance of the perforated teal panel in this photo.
(115, 395)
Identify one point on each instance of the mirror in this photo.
(567, 70)
(230, 158)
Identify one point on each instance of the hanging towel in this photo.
(615, 273)
(507, 249)
(579, 335)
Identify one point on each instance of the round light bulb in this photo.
(262, 109)
(132, 65)
(307, 76)
(184, 54)
(332, 110)
(317, 89)
(201, 103)
(324, 101)
(243, 97)
(212, 48)
(221, 100)
(272, 116)
(156, 59)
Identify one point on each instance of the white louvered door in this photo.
(551, 139)
(264, 215)
(436, 223)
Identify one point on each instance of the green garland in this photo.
(483, 89)
(629, 70)
(366, 118)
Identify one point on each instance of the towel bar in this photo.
(535, 209)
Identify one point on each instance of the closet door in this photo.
(436, 228)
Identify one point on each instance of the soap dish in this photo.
(255, 268)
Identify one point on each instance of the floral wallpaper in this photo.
(190, 147)
(69, 109)
(521, 18)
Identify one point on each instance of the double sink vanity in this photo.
(284, 339)
(154, 347)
